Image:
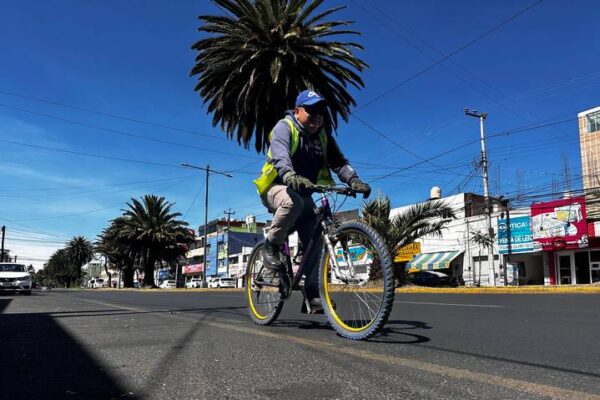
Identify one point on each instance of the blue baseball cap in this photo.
(307, 98)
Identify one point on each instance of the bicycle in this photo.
(356, 280)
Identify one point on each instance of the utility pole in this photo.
(208, 171)
(2, 251)
(229, 214)
(486, 192)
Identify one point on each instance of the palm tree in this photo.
(79, 251)
(58, 269)
(154, 232)
(116, 245)
(486, 241)
(428, 218)
(259, 57)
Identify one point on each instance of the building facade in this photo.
(589, 144)
(228, 245)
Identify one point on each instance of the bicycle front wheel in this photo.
(264, 299)
(359, 294)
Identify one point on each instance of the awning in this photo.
(431, 261)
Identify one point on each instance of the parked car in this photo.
(222, 283)
(96, 283)
(193, 283)
(430, 278)
(14, 277)
(168, 284)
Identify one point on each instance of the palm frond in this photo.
(256, 60)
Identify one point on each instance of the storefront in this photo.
(192, 271)
(577, 267)
(560, 229)
(522, 261)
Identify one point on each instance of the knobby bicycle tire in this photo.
(381, 315)
(257, 314)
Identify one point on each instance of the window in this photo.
(595, 255)
(593, 121)
(476, 259)
(246, 257)
(234, 260)
(221, 247)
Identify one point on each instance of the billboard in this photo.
(521, 238)
(560, 224)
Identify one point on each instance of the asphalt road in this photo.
(198, 345)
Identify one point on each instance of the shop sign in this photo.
(163, 274)
(521, 239)
(594, 229)
(193, 268)
(408, 252)
(560, 224)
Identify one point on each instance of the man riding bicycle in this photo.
(300, 155)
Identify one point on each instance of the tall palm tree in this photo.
(259, 56)
(154, 232)
(428, 218)
(79, 251)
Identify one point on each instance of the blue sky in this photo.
(132, 59)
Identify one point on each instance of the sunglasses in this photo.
(315, 110)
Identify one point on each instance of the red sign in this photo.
(193, 269)
(594, 229)
(560, 224)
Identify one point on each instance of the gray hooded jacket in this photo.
(307, 161)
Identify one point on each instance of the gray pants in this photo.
(293, 211)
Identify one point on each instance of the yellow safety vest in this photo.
(269, 173)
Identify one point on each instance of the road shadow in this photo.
(301, 324)
(39, 359)
(400, 332)
(3, 304)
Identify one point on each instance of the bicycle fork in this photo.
(347, 277)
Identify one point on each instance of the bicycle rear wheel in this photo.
(359, 300)
(264, 300)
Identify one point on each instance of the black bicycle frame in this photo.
(323, 213)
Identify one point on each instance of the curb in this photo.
(571, 289)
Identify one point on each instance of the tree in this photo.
(486, 241)
(428, 218)
(116, 247)
(79, 251)
(58, 270)
(259, 57)
(152, 232)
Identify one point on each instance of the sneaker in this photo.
(316, 306)
(272, 257)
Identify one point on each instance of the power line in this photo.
(453, 53)
(97, 209)
(121, 117)
(123, 133)
(78, 153)
(505, 133)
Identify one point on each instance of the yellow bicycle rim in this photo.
(330, 306)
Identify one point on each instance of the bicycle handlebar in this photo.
(345, 190)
